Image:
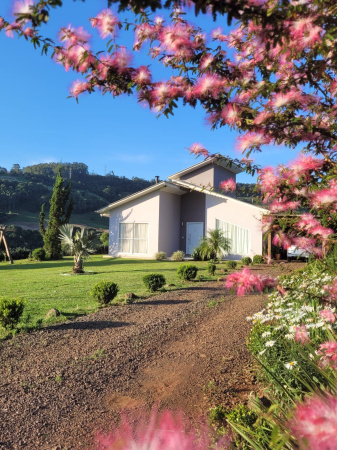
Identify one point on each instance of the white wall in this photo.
(169, 223)
(238, 213)
(144, 210)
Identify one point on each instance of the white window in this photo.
(133, 238)
(240, 238)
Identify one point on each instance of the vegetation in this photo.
(61, 207)
(39, 254)
(11, 310)
(187, 272)
(246, 261)
(50, 284)
(104, 292)
(104, 238)
(258, 259)
(231, 264)
(211, 268)
(160, 256)
(154, 281)
(178, 256)
(79, 244)
(214, 245)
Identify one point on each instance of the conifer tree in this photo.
(61, 207)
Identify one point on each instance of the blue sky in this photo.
(39, 124)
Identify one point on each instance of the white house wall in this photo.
(144, 210)
(237, 213)
(169, 222)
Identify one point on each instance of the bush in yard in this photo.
(154, 281)
(2, 256)
(211, 268)
(178, 256)
(160, 256)
(258, 259)
(246, 260)
(231, 264)
(196, 254)
(187, 272)
(104, 292)
(11, 310)
(39, 254)
(20, 253)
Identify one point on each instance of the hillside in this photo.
(23, 191)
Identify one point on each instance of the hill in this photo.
(24, 190)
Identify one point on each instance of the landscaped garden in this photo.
(51, 284)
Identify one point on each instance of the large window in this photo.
(239, 237)
(133, 238)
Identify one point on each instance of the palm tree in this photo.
(79, 244)
(214, 245)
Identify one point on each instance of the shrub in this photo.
(160, 256)
(39, 254)
(196, 254)
(258, 259)
(187, 272)
(104, 292)
(246, 261)
(20, 252)
(178, 256)
(2, 256)
(11, 310)
(211, 267)
(154, 281)
(231, 264)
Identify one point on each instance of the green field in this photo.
(50, 284)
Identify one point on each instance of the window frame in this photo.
(132, 239)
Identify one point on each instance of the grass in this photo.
(44, 285)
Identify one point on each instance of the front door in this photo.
(194, 233)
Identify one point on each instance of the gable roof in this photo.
(164, 185)
(218, 160)
(193, 187)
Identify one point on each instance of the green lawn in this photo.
(44, 285)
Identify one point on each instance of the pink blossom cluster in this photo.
(161, 431)
(314, 424)
(331, 290)
(245, 281)
(228, 185)
(328, 352)
(328, 315)
(302, 335)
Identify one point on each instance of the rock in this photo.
(53, 313)
(169, 285)
(130, 296)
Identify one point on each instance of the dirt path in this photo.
(181, 349)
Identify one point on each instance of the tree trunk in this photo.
(78, 266)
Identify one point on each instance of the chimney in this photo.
(157, 178)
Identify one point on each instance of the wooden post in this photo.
(3, 238)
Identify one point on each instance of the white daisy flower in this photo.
(290, 365)
(270, 343)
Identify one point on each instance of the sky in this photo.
(38, 123)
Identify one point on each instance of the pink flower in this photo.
(106, 23)
(228, 185)
(73, 36)
(78, 87)
(301, 335)
(283, 99)
(252, 140)
(12, 27)
(142, 75)
(315, 423)
(328, 315)
(198, 149)
(23, 7)
(328, 351)
(164, 431)
(231, 114)
(207, 85)
(245, 281)
(332, 290)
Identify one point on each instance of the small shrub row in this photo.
(187, 272)
(154, 281)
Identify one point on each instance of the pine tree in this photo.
(61, 207)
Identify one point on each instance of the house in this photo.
(175, 214)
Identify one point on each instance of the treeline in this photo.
(29, 187)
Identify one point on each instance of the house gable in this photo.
(208, 173)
